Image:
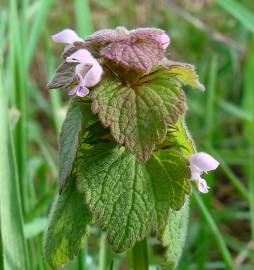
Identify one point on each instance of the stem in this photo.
(82, 259)
(103, 252)
(140, 256)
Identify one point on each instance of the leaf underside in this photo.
(139, 116)
(64, 76)
(128, 197)
(70, 139)
(68, 225)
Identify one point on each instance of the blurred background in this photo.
(217, 36)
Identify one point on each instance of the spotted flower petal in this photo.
(202, 186)
(79, 90)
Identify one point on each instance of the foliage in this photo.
(220, 121)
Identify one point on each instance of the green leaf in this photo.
(173, 236)
(184, 138)
(72, 128)
(185, 73)
(128, 197)
(138, 116)
(68, 226)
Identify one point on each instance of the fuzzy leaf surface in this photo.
(173, 236)
(140, 54)
(138, 116)
(128, 197)
(185, 73)
(139, 48)
(64, 76)
(69, 141)
(68, 226)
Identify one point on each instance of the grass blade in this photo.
(249, 126)
(83, 19)
(214, 229)
(37, 28)
(236, 182)
(12, 235)
(240, 12)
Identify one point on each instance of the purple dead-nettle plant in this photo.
(126, 160)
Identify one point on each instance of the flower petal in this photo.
(202, 186)
(203, 161)
(93, 76)
(81, 56)
(81, 71)
(82, 91)
(195, 172)
(67, 36)
(89, 71)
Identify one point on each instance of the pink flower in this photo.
(201, 162)
(88, 71)
(66, 36)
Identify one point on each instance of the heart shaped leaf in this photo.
(129, 197)
(139, 115)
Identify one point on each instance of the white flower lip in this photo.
(67, 36)
(201, 162)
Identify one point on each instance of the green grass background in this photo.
(217, 36)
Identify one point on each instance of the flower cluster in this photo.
(88, 71)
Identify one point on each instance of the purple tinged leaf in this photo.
(153, 34)
(64, 76)
(139, 48)
(108, 35)
(135, 54)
